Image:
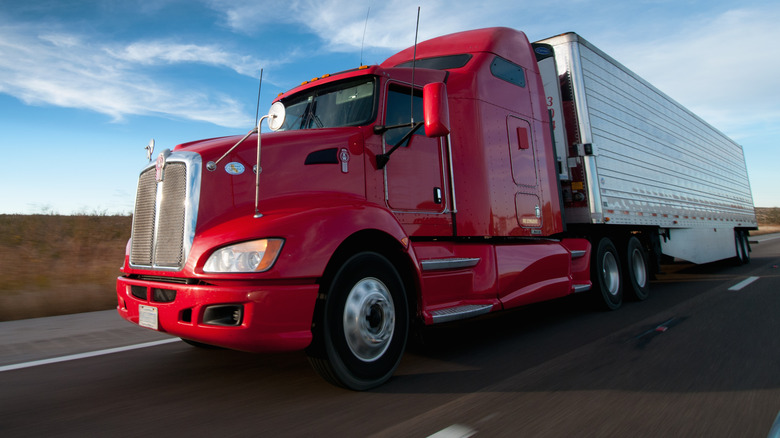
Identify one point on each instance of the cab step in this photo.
(460, 312)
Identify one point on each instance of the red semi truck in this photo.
(472, 173)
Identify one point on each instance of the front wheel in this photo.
(361, 334)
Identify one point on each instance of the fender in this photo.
(312, 227)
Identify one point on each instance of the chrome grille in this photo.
(163, 222)
(143, 220)
(168, 250)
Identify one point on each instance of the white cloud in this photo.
(70, 70)
(340, 24)
(164, 52)
(722, 67)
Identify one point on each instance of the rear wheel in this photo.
(636, 270)
(605, 275)
(743, 247)
(363, 328)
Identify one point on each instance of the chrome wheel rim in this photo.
(369, 319)
(610, 273)
(638, 264)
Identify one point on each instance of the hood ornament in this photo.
(149, 150)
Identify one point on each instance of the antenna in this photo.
(414, 61)
(365, 26)
(257, 110)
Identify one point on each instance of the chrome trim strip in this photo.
(578, 254)
(452, 174)
(448, 263)
(460, 312)
(581, 288)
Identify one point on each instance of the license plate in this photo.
(147, 317)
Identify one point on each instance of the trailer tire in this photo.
(743, 247)
(637, 272)
(605, 275)
(363, 326)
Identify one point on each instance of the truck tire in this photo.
(637, 272)
(743, 247)
(363, 326)
(605, 275)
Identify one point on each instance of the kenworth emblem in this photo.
(159, 166)
(344, 158)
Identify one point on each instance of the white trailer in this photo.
(631, 156)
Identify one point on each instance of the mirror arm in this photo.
(381, 129)
(382, 159)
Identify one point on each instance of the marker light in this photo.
(253, 256)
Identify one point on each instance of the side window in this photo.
(399, 106)
(508, 71)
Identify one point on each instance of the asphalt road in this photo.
(701, 357)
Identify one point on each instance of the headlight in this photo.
(254, 256)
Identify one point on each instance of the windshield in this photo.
(347, 103)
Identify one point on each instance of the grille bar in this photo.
(143, 220)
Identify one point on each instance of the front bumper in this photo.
(272, 318)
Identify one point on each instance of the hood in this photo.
(295, 166)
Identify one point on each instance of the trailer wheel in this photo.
(364, 325)
(605, 274)
(636, 270)
(743, 247)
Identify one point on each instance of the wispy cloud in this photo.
(716, 63)
(166, 52)
(719, 66)
(73, 70)
(340, 24)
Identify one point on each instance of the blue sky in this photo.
(84, 85)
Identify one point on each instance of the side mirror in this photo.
(276, 116)
(435, 110)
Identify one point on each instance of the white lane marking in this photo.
(454, 431)
(36, 363)
(765, 238)
(744, 283)
(774, 432)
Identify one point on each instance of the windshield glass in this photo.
(347, 103)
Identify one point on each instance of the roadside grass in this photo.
(55, 265)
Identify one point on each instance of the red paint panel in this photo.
(451, 288)
(532, 272)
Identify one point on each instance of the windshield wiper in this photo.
(311, 116)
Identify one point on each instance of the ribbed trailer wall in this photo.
(653, 162)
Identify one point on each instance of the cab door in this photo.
(415, 183)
